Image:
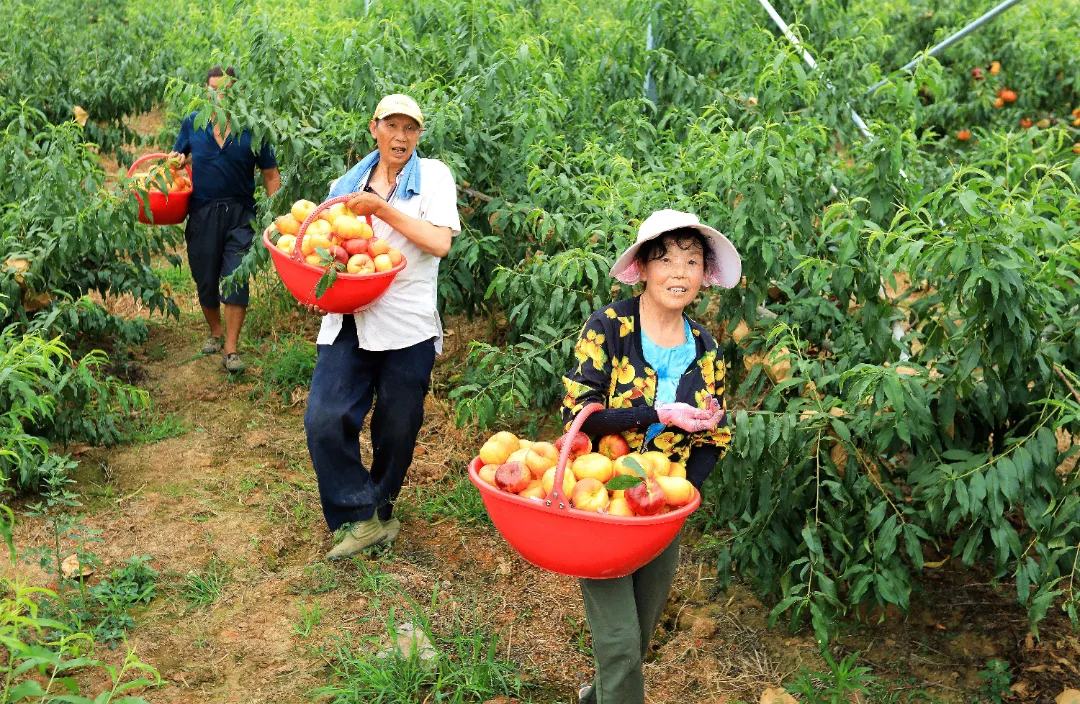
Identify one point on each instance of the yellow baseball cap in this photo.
(398, 104)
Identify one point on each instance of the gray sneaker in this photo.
(351, 538)
(212, 345)
(232, 362)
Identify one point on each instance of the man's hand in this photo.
(178, 156)
(310, 308)
(364, 204)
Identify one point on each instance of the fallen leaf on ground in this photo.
(71, 568)
(1069, 696)
(776, 695)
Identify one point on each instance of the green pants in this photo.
(622, 615)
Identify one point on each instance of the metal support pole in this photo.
(859, 124)
(650, 44)
(954, 38)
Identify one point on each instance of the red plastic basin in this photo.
(553, 536)
(166, 208)
(349, 292)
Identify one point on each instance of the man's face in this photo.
(396, 137)
(217, 85)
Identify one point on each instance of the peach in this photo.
(512, 477)
(614, 446)
(646, 499)
(301, 209)
(487, 473)
(593, 465)
(534, 491)
(540, 457)
(659, 461)
(589, 495)
(618, 507)
(569, 480)
(622, 465)
(677, 491)
(287, 225)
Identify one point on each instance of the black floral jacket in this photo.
(610, 369)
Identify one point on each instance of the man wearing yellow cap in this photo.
(382, 356)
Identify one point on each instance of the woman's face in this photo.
(673, 279)
(396, 136)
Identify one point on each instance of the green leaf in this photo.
(623, 482)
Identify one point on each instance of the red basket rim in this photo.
(344, 276)
(162, 155)
(678, 514)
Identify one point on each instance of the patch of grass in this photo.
(157, 353)
(287, 366)
(309, 619)
(454, 497)
(582, 639)
(157, 427)
(204, 587)
(318, 579)
(466, 666)
(176, 277)
(372, 579)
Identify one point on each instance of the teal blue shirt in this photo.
(670, 364)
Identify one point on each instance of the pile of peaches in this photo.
(591, 480)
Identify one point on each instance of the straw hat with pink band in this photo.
(725, 266)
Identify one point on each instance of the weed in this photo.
(318, 579)
(466, 666)
(288, 366)
(204, 587)
(157, 353)
(996, 682)
(843, 681)
(372, 579)
(178, 278)
(460, 501)
(309, 619)
(582, 641)
(156, 427)
(127, 587)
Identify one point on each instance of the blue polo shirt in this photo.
(221, 172)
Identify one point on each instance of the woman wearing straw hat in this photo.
(657, 373)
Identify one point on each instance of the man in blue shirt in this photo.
(219, 231)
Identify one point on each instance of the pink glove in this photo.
(687, 417)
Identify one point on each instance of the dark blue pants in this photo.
(347, 380)
(218, 235)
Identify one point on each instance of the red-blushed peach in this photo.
(512, 477)
(645, 499)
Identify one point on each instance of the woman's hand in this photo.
(178, 156)
(690, 418)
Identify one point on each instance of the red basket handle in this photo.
(552, 499)
(326, 204)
